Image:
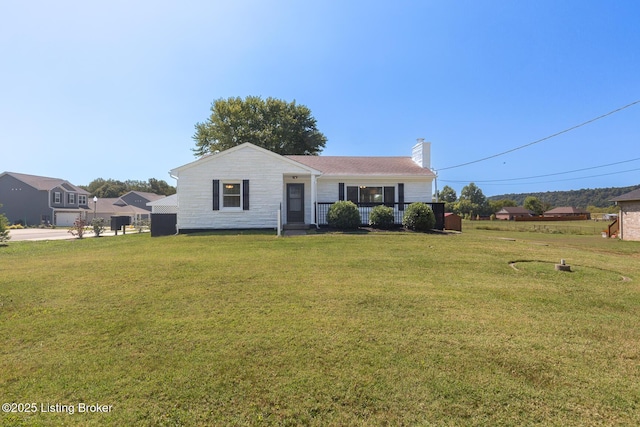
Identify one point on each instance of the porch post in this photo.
(313, 201)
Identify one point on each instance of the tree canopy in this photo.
(535, 205)
(280, 126)
(472, 201)
(111, 188)
(448, 194)
(598, 197)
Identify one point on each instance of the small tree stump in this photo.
(563, 267)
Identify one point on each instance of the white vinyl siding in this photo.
(264, 171)
(414, 190)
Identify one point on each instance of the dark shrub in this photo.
(419, 217)
(381, 217)
(344, 215)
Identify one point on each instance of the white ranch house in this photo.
(249, 187)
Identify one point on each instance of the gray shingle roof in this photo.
(347, 165)
(515, 210)
(45, 183)
(149, 196)
(627, 197)
(567, 210)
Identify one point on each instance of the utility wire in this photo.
(543, 139)
(545, 175)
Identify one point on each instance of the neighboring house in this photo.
(134, 204)
(567, 211)
(513, 212)
(247, 186)
(35, 200)
(629, 217)
(140, 199)
(108, 207)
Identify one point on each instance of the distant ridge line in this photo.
(599, 197)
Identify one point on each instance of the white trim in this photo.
(222, 195)
(176, 171)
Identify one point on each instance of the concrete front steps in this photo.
(295, 229)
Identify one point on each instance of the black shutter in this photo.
(341, 191)
(389, 196)
(245, 194)
(400, 196)
(352, 194)
(216, 194)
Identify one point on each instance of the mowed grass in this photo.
(328, 329)
(586, 227)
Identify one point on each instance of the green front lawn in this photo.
(328, 329)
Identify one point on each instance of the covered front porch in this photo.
(365, 209)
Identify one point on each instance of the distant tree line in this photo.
(473, 203)
(597, 197)
(111, 188)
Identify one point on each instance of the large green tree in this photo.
(448, 196)
(534, 204)
(472, 201)
(279, 126)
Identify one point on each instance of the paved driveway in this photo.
(41, 234)
(55, 234)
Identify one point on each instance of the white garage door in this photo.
(66, 219)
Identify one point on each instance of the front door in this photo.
(295, 203)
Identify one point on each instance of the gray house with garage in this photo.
(34, 200)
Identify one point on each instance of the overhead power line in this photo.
(542, 139)
(542, 176)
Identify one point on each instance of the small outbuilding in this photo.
(452, 222)
(629, 217)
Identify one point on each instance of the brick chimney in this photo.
(421, 153)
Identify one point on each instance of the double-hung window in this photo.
(367, 194)
(72, 198)
(231, 195)
(82, 200)
(57, 197)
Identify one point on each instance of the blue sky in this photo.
(114, 89)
